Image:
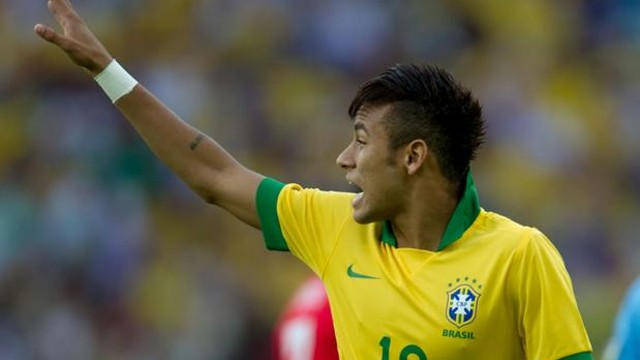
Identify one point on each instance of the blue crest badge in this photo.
(462, 305)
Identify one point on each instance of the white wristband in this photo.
(115, 81)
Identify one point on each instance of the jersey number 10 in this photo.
(408, 350)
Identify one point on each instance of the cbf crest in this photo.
(462, 305)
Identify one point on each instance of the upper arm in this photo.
(235, 191)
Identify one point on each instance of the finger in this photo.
(48, 34)
(68, 3)
(62, 11)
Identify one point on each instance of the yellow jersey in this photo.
(494, 289)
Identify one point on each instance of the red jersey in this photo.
(305, 329)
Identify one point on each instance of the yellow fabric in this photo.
(396, 303)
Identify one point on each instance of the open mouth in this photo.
(354, 188)
(359, 193)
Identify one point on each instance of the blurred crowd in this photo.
(104, 254)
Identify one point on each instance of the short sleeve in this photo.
(305, 222)
(549, 322)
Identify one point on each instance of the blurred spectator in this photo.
(305, 329)
(625, 342)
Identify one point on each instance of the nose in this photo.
(345, 159)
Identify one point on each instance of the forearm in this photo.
(191, 155)
(203, 164)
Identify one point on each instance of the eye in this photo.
(360, 141)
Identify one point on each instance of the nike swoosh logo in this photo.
(351, 273)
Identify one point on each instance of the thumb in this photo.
(48, 34)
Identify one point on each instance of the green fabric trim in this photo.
(387, 235)
(581, 356)
(463, 216)
(267, 204)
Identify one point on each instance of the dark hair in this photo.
(429, 104)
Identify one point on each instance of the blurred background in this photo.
(105, 255)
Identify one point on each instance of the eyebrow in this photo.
(360, 126)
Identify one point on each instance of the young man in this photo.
(413, 267)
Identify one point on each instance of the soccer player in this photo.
(414, 268)
(305, 328)
(625, 342)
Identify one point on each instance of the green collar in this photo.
(463, 216)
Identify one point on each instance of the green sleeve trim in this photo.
(581, 356)
(267, 203)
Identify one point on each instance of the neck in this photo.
(423, 225)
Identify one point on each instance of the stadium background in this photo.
(105, 255)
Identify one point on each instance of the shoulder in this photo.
(511, 240)
(311, 193)
(272, 189)
(274, 197)
(508, 232)
(306, 203)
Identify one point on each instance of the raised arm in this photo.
(203, 164)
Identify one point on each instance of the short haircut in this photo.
(428, 104)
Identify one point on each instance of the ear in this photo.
(415, 156)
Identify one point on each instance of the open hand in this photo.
(76, 40)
